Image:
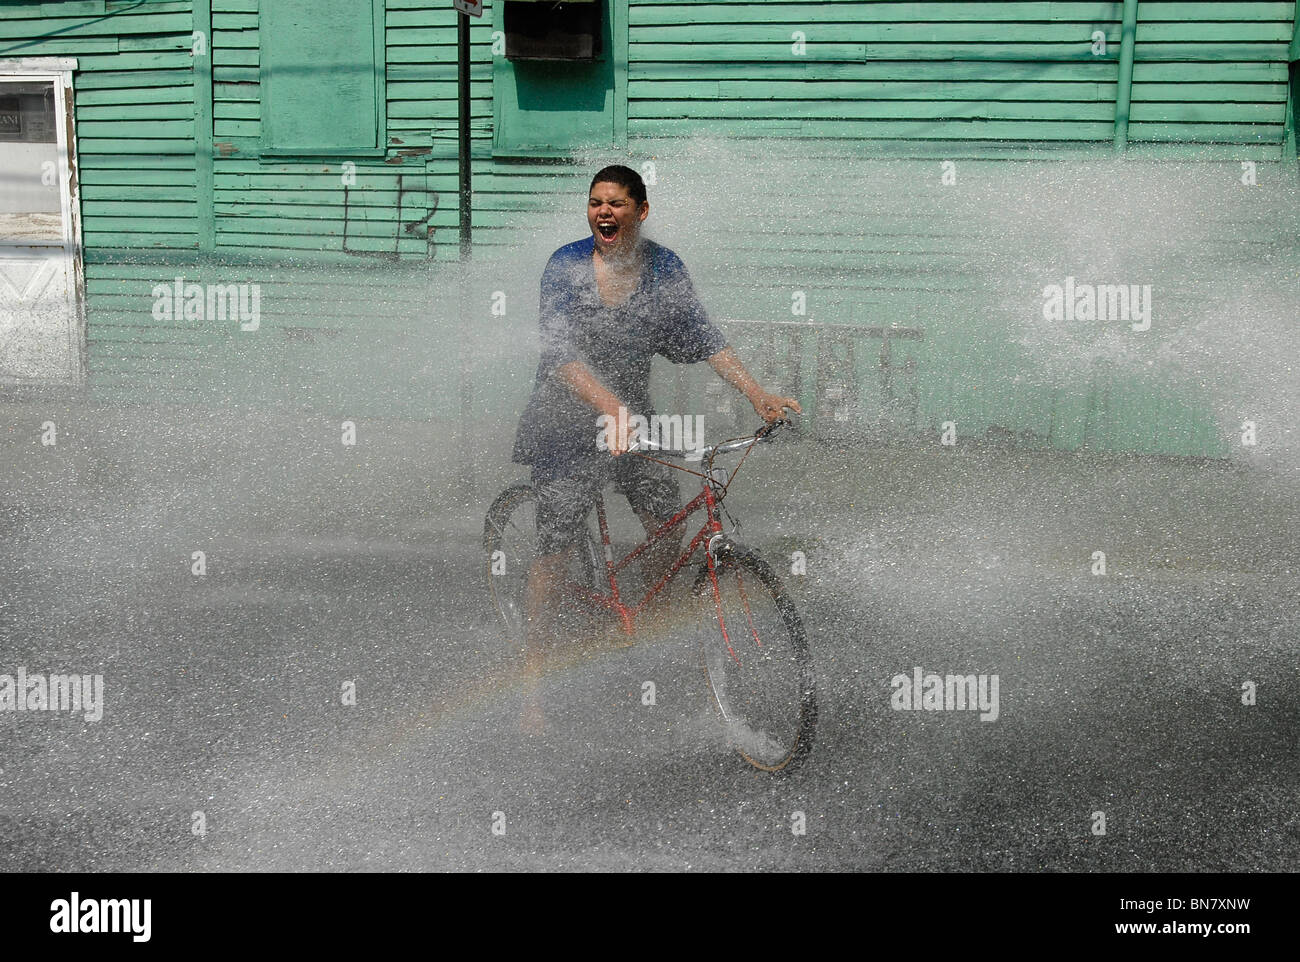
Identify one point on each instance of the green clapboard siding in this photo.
(1218, 41)
(955, 71)
(324, 169)
(135, 112)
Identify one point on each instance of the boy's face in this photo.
(614, 217)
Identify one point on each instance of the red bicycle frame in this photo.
(613, 600)
(712, 528)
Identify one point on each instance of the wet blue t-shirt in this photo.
(557, 432)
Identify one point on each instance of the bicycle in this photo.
(757, 662)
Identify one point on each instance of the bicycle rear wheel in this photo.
(510, 545)
(757, 662)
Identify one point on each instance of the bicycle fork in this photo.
(721, 547)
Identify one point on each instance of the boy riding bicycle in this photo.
(609, 303)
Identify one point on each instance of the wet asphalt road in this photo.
(328, 564)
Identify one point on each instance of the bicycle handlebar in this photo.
(762, 434)
(726, 447)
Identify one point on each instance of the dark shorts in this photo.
(563, 503)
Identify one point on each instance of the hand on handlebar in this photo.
(772, 407)
(614, 435)
(767, 430)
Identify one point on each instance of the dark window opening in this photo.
(27, 112)
(546, 30)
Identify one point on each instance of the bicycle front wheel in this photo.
(757, 661)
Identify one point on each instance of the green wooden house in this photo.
(226, 201)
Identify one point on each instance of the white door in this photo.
(42, 330)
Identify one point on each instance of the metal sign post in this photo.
(467, 8)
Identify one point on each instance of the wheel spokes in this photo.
(760, 692)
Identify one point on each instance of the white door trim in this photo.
(58, 70)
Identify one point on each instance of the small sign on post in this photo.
(471, 8)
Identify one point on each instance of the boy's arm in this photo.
(695, 335)
(559, 359)
(587, 388)
(770, 407)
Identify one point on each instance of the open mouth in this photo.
(607, 231)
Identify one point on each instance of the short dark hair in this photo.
(625, 177)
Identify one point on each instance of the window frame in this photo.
(266, 146)
(504, 144)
